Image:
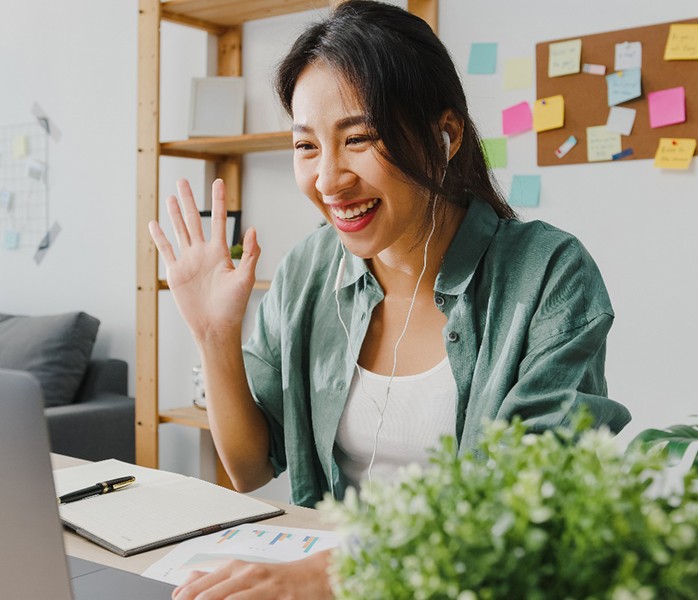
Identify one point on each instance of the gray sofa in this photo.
(88, 410)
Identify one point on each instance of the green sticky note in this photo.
(525, 190)
(483, 59)
(495, 151)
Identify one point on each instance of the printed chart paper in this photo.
(253, 542)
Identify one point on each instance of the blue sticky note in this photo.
(11, 239)
(483, 59)
(525, 190)
(624, 86)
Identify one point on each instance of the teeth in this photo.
(350, 213)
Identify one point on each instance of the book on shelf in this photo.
(158, 509)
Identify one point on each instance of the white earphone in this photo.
(447, 145)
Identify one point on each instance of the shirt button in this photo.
(452, 336)
(439, 301)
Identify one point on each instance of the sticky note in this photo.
(628, 56)
(19, 146)
(564, 58)
(674, 153)
(36, 169)
(517, 119)
(495, 151)
(621, 119)
(602, 144)
(682, 42)
(667, 107)
(5, 199)
(623, 86)
(548, 113)
(525, 190)
(11, 239)
(518, 74)
(483, 59)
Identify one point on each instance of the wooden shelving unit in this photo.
(224, 19)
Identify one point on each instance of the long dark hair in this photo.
(405, 79)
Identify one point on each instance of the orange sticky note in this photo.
(549, 113)
(674, 153)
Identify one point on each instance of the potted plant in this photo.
(564, 515)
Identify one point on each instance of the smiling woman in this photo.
(424, 308)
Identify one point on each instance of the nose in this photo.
(334, 174)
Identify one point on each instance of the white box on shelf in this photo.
(217, 106)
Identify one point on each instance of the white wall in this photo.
(77, 59)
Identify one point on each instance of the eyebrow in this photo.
(341, 124)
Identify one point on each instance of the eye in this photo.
(355, 140)
(303, 146)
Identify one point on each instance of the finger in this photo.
(218, 212)
(161, 243)
(192, 218)
(180, 229)
(250, 252)
(197, 582)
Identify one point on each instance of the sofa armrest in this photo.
(99, 429)
(107, 375)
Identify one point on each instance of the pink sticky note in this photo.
(667, 107)
(517, 119)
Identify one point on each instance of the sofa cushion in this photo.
(54, 348)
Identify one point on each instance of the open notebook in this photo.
(160, 508)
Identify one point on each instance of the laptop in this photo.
(33, 562)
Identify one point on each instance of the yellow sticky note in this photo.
(602, 143)
(682, 43)
(19, 146)
(564, 58)
(518, 74)
(548, 113)
(674, 153)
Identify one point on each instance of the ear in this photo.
(452, 124)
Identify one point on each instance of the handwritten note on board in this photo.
(623, 86)
(621, 119)
(549, 113)
(667, 107)
(602, 144)
(628, 56)
(682, 42)
(674, 153)
(564, 58)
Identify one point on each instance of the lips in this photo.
(354, 217)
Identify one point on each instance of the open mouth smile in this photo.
(356, 216)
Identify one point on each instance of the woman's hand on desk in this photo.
(239, 580)
(210, 292)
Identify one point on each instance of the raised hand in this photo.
(210, 292)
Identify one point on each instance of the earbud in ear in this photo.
(447, 145)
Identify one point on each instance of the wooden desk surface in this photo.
(296, 516)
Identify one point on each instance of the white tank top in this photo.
(420, 409)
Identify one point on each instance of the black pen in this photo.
(97, 489)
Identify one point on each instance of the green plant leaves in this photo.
(676, 440)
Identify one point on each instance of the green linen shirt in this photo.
(527, 319)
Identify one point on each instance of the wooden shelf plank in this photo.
(215, 148)
(190, 416)
(207, 13)
(260, 284)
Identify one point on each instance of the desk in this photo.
(296, 516)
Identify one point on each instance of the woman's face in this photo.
(371, 205)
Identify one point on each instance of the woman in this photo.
(423, 309)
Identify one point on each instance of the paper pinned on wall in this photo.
(518, 74)
(674, 153)
(549, 113)
(46, 124)
(6, 199)
(46, 242)
(517, 119)
(495, 151)
(602, 144)
(682, 42)
(623, 86)
(36, 169)
(621, 119)
(20, 146)
(483, 59)
(525, 190)
(11, 239)
(667, 107)
(628, 56)
(564, 58)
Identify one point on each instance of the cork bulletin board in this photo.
(586, 100)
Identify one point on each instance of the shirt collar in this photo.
(467, 248)
(462, 257)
